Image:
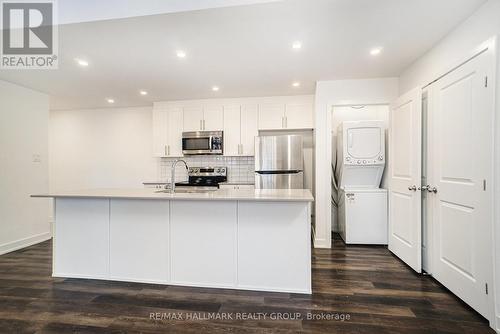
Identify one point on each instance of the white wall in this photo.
(101, 148)
(481, 26)
(24, 116)
(337, 93)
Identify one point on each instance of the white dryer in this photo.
(360, 154)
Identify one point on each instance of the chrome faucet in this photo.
(172, 177)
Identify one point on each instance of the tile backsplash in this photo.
(240, 169)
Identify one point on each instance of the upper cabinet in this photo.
(271, 116)
(240, 129)
(241, 119)
(203, 118)
(278, 116)
(167, 132)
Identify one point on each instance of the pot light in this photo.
(297, 45)
(82, 62)
(296, 84)
(215, 88)
(110, 101)
(375, 51)
(181, 54)
(143, 92)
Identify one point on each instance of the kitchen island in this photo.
(233, 238)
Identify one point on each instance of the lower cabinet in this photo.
(139, 235)
(81, 238)
(281, 261)
(208, 243)
(203, 243)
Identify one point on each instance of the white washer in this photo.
(363, 216)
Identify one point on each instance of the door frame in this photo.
(489, 47)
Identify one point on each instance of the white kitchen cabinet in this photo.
(130, 222)
(249, 129)
(299, 116)
(240, 129)
(167, 132)
(174, 132)
(232, 131)
(160, 132)
(193, 118)
(271, 116)
(213, 118)
(203, 118)
(277, 116)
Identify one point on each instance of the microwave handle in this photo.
(210, 143)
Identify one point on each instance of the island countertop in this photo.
(276, 195)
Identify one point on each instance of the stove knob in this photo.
(359, 162)
(364, 161)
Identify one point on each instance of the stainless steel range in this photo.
(203, 178)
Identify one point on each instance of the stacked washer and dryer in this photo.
(358, 170)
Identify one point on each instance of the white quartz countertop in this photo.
(276, 195)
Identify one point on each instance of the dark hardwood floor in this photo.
(372, 290)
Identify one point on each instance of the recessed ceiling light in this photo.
(215, 88)
(375, 51)
(82, 62)
(110, 101)
(296, 84)
(181, 54)
(143, 92)
(297, 45)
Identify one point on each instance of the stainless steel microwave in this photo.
(202, 142)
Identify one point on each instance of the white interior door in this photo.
(405, 172)
(460, 169)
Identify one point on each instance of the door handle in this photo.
(432, 190)
(424, 188)
(413, 188)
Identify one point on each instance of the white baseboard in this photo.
(25, 242)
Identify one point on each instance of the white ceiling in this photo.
(245, 50)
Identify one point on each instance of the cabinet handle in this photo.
(166, 150)
(201, 124)
(286, 122)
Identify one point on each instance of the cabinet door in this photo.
(249, 129)
(299, 116)
(175, 125)
(232, 133)
(193, 118)
(160, 130)
(213, 118)
(271, 116)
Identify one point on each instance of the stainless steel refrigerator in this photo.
(279, 162)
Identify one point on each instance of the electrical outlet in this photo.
(37, 158)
